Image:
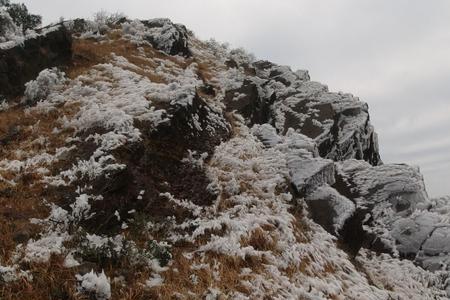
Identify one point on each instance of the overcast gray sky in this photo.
(394, 55)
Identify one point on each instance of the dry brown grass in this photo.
(260, 240)
(204, 70)
(50, 281)
(178, 278)
(23, 201)
(301, 229)
(88, 52)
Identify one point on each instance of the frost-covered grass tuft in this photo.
(10, 274)
(93, 284)
(47, 81)
(3, 104)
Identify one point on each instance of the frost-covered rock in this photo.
(400, 214)
(310, 173)
(329, 208)
(249, 100)
(411, 233)
(338, 122)
(384, 193)
(162, 34)
(399, 185)
(311, 177)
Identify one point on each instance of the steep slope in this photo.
(153, 165)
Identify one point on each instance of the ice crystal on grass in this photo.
(9, 274)
(93, 284)
(47, 81)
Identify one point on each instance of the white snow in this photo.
(41, 249)
(47, 81)
(13, 273)
(96, 284)
(70, 261)
(155, 280)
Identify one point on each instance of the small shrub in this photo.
(104, 20)
(41, 87)
(20, 15)
(8, 29)
(159, 252)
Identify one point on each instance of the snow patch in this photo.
(94, 284)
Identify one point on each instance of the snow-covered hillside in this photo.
(149, 164)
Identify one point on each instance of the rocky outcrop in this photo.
(168, 37)
(250, 101)
(22, 63)
(339, 172)
(385, 193)
(383, 208)
(339, 123)
(199, 156)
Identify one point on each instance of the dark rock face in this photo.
(22, 63)
(155, 165)
(338, 129)
(168, 37)
(390, 204)
(250, 101)
(79, 26)
(194, 126)
(339, 123)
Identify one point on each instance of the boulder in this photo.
(411, 233)
(329, 209)
(398, 186)
(395, 200)
(168, 37)
(309, 174)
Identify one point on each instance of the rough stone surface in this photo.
(250, 101)
(330, 209)
(168, 37)
(339, 123)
